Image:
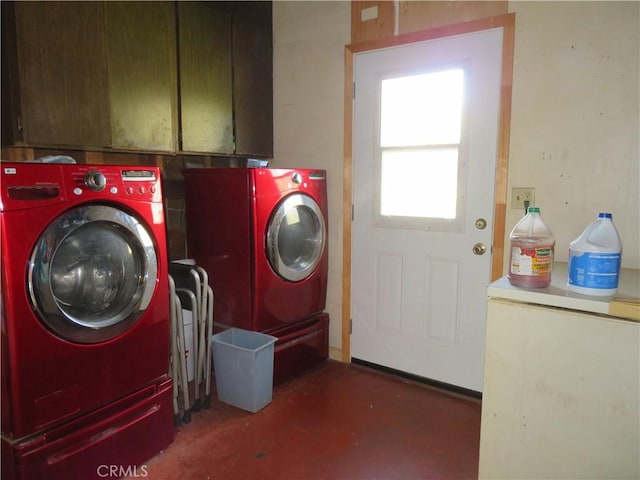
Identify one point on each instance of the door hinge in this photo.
(354, 90)
(350, 326)
(352, 214)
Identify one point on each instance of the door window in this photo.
(296, 237)
(92, 273)
(420, 131)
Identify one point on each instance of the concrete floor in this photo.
(338, 421)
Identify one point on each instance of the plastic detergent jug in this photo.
(594, 259)
(532, 246)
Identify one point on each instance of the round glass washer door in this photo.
(296, 237)
(92, 273)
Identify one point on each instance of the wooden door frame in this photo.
(507, 22)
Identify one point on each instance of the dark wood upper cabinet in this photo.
(226, 77)
(10, 100)
(205, 72)
(158, 76)
(253, 80)
(141, 59)
(63, 74)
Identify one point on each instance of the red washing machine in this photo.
(85, 320)
(261, 235)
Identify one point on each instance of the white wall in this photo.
(574, 121)
(308, 76)
(574, 128)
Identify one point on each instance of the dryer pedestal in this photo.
(300, 346)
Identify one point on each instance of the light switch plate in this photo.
(370, 13)
(520, 194)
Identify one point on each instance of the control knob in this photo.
(95, 180)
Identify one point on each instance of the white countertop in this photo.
(557, 295)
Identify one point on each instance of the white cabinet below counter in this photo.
(561, 394)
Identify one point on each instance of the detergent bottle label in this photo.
(532, 261)
(594, 270)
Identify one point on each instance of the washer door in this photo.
(296, 237)
(92, 273)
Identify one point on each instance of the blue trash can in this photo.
(243, 363)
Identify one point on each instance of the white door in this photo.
(425, 131)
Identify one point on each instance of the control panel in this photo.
(136, 183)
(26, 185)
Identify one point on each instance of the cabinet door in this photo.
(206, 104)
(10, 99)
(141, 56)
(63, 81)
(253, 81)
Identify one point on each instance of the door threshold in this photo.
(466, 392)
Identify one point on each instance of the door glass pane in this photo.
(419, 183)
(421, 109)
(420, 136)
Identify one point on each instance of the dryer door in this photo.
(92, 273)
(296, 237)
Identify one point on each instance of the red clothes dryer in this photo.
(261, 235)
(85, 319)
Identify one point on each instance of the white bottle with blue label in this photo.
(594, 259)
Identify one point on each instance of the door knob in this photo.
(479, 249)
